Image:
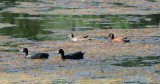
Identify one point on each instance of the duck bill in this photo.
(21, 50)
(57, 52)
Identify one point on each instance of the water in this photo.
(139, 61)
(45, 27)
(42, 27)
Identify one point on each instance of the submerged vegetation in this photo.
(44, 25)
(139, 61)
(9, 44)
(9, 50)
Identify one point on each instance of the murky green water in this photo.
(51, 27)
(139, 61)
(55, 27)
(43, 27)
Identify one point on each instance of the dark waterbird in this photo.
(35, 56)
(76, 55)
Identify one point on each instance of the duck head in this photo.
(71, 35)
(25, 50)
(111, 36)
(61, 52)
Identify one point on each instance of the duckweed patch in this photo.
(9, 50)
(9, 44)
(152, 0)
(139, 61)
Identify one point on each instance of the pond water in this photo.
(40, 27)
(51, 27)
(139, 61)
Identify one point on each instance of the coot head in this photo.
(35, 55)
(25, 50)
(61, 51)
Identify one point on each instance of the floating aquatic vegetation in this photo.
(9, 50)
(8, 44)
(139, 61)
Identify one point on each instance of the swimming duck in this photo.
(81, 38)
(35, 56)
(76, 55)
(72, 37)
(118, 39)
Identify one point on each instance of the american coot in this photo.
(118, 39)
(76, 55)
(35, 56)
(80, 38)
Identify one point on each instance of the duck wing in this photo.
(38, 56)
(85, 36)
(76, 55)
(125, 39)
